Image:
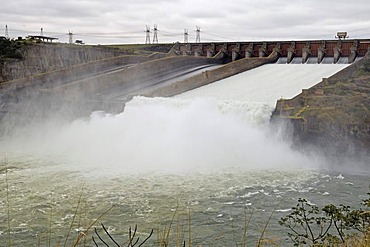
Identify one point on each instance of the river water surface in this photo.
(204, 164)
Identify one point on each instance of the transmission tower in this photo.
(186, 36)
(155, 36)
(42, 32)
(6, 32)
(70, 34)
(147, 40)
(197, 40)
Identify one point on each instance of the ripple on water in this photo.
(212, 199)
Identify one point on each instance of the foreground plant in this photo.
(330, 225)
(132, 239)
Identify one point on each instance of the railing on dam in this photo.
(337, 49)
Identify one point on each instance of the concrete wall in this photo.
(133, 78)
(55, 63)
(207, 77)
(62, 75)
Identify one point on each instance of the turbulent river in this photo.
(204, 164)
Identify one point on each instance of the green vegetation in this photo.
(334, 114)
(332, 225)
(142, 49)
(366, 66)
(9, 49)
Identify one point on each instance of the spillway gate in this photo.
(320, 49)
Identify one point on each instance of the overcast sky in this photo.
(124, 21)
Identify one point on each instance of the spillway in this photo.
(207, 152)
(267, 84)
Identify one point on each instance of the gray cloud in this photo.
(114, 21)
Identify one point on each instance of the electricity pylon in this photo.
(197, 40)
(6, 32)
(155, 36)
(186, 36)
(70, 34)
(147, 40)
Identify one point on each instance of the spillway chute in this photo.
(314, 60)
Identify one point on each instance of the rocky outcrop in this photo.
(333, 115)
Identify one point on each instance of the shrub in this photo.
(366, 66)
(330, 225)
(9, 49)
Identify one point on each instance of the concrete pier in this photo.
(232, 51)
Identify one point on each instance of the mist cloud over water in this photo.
(163, 134)
(216, 156)
(220, 126)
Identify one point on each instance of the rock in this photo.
(333, 115)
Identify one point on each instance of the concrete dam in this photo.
(210, 148)
(107, 84)
(304, 50)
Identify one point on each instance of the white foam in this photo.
(221, 125)
(267, 83)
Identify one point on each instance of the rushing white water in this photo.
(223, 124)
(267, 83)
(210, 150)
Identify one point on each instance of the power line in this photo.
(110, 33)
(107, 35)
(136, 34)
(170, 34)
(110, 36)
(216, 35)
